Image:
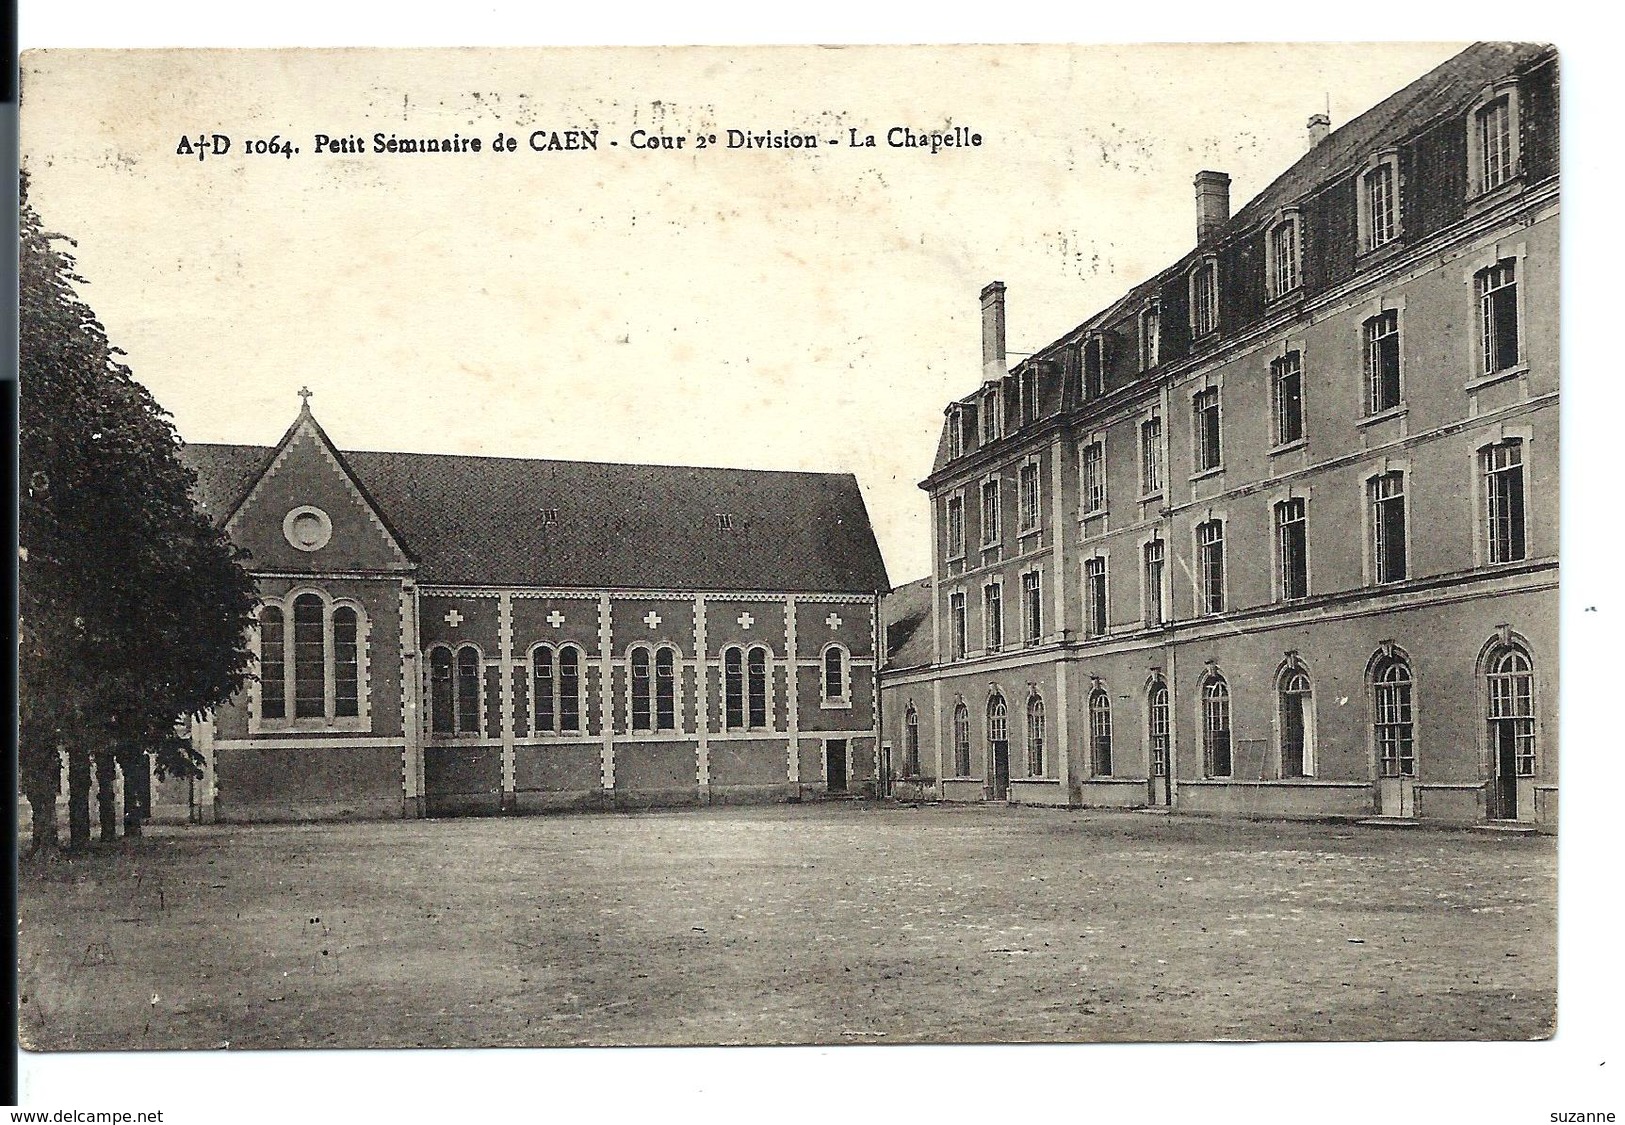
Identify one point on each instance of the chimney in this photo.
(1320, 127)
(1212, 203)
(994, 364)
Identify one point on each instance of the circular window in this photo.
(307, 528)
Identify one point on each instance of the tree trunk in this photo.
(78, 796)
(42, 782)
(106, 793)
(137, 788)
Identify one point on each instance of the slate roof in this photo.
(479, 521)
(906, 614)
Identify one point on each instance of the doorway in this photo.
(835, 765)
(1504, 785)
(1001, 770)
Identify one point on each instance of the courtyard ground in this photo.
(837, 923)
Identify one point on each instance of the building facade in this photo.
(1276, 532)
(442, 635)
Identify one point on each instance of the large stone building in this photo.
(1276, 532)
(447, 634)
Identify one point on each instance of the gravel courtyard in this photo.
(839, 923)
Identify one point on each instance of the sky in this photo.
(765, 308)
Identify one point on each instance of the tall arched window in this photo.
(642, 690)
(1035, 737)
(309, 658)
(961, 741)
(569, 689)
(346, 663)
(543, 688)
(1216, 726)
(312, 661)
(756, 686)
(733, 689)
(1295, 698)
(442, 708)
(1392, 718)
(911, 743)
(273, 677)
(837, 681)
(468, 690)
(1512, 708)
(666, 689)
(1157, 712)
(1100, 731)
(454, 690)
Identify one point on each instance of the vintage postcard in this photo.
(790, 545)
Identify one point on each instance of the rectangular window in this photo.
(1204, 299)
(993, 616)
(1498, 316)
(1205, 420)
(1286, 394)
(1284, 255)
(1387, 493)
(1150, 337)
(1028, 484)
(1210, 565)
(1151, 456)
(1495, 143)
(1093, 460)
(956, 527)
(1032, 609)
(1292, 548)
(1156, 610)
(990, 512)
(1383, 391)
(1503, 492)
(956, 432)
(1380, 210)
(957, 626)
(1094, 597)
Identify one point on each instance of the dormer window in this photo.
(1094, 366)
(956, 432)
(1492, 140)
(1281, 254)
(1379, 203)
(550, 515)
(990, 415)
(1029, 395)
(1204, 282)
(1150, 335)
(725, 521)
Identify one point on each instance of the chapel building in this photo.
(444, 635)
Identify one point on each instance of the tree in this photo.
(134, 606)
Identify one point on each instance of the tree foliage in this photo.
(134, 606)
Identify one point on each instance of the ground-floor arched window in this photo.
(1295, 700)
(1157, 715)
(1510, 679)
(911, 743)
(1216, 726)
(454, 690)
(1100, 731)
(1035, 737)
(1393, 727)
(961, 741)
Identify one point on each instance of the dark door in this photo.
(1503, 733)
(835, 764)
(1291, 737)
(1001, 770)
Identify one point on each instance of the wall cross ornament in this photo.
(833, 621)
(651, 619)
(746, 621)
(555, 619)
(453, 618)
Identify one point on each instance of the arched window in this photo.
(346, 664)
(666, 689)
(569, 689)
(911, 743)
(836, 680)
(642, 690)
(309, 658)
(1512, 708)
(1295, 698)
(468, 690)
(1392, 720)
(543, 688)
(961, 741)
(442, 709)
(998, 719)
(756, 686)
(1100, 731)
(273, 678)
(1216, 726)
(733, 689)
(1035, 737)
(312, 661)
(1157, 712)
